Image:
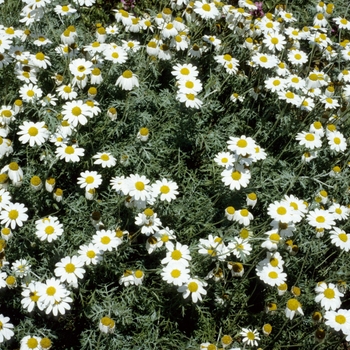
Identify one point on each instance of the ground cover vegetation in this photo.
(174, 174)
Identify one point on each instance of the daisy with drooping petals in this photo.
(293, 307)
(193, 287)
(127, 81)
(13, 215)
(33, 133)
(328, 295)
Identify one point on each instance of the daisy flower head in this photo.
(206, 10)
(21, 268)
(243, 217)
(48, 228)
(328, 296)
(236, 177)
(106, 240)
(80, 67)
(33, 133)
(340, 212)
(166, 189)
(293, 307)
(272, 241)
(176, 274)
(137, 187)
(193, 287)
(177, 253)
(190, 100)
(66, 92)
(30, 92)
(250, 336)
(265, 60)
(338, 320)
(241, 145)
(273, 276)
(274, 41)
(321, 219)
(51, 292)
(230, 63)
(290, 97)
(40, 60)
(329, 102)
(336, 141)
(76, 112)
(106, 325)
(298, 207)
(149, 222)
(340, 239)
(342, 23)
(309, 140)
(184, 71)
(30, 343)
(105, 159)
(280, 211)
(6, 332)
(13, 215)
(275, 84)
(225, 159)
(70, 153)
(69, 269)
(64, 10)
(14, 171)
(240, 247)
(31, 296)
(189, 86)
(127, 81)
(115, 54)
(89, 180)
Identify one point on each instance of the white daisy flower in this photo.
(69, 269)
(13, 215)
(328, 296)
(193, 287)
(33, 133)
(127, 81)
(166, 189)
(176, 274)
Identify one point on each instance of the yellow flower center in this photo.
(244, 212)
(90, 254)
(49, 230)
(89, 179)
(185, 71)
(293, 304)
(281, 210)
(33, 296)
(343, 237)
(13, 214)
(127, 74)
(76, 111)
(274, 41)
(320, 219)
(105, 240)
(32, 343)
(70, 268)
(138, 274)
(273, 274)
(176, 254)
(33, 131)
(139, 185)
(206, 7)
(329, 293)
(51, 291)
(192, 287)
(230, 210)
(236, 175)
(165, 189)
(69, 150)
(309, 137)
(341, 319)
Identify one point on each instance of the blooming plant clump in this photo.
(174, 172)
